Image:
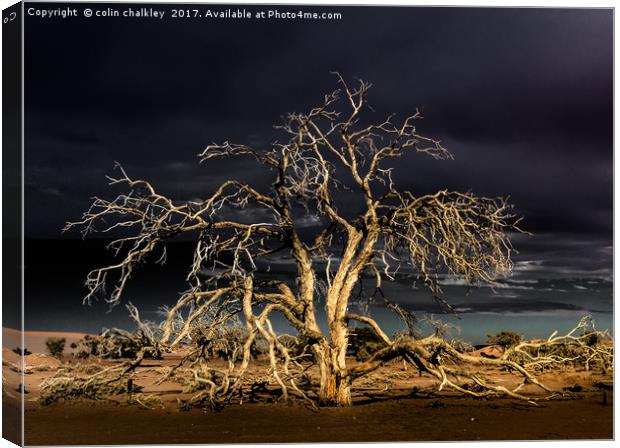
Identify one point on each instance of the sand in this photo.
(35, 340)
(393, 404)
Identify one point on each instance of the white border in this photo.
(484, 3)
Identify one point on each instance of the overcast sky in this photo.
(521, 97)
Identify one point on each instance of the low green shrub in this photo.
(55, 346)
(20, 352)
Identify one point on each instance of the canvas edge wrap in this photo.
(12, 198)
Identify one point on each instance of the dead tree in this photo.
(330, 151)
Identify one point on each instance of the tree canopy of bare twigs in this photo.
(328, 151)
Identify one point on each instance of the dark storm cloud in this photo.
(522, 97)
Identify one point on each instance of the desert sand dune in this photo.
(409, 410)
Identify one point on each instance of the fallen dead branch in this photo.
(584, 346)
(91, 382)
(217, 382)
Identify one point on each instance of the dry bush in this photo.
(462, 346)
(95, 382)
(364, 342)
(147, 401)
(298, 346)
(76, 388)
(225, 342)
(505, 339)
(583, 347)
(117, 344)
(66, 385)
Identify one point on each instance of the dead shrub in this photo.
(505, 339)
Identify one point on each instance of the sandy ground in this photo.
(393, 404)
(35, 340)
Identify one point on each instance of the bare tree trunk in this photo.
(335, 387)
